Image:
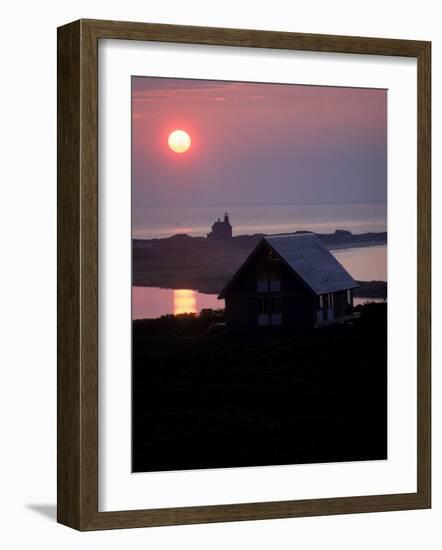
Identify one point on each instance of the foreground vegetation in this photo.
(226, 400)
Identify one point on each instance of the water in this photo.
(359, 301)
(364, 264)
(149, 223)
(151, 302)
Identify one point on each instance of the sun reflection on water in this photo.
(184, 301)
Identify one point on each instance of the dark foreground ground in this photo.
(217, 401)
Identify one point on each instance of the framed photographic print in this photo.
(243, 275)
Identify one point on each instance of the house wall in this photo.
(342, 305)
(298, 305)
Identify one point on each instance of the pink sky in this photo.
(256, 143)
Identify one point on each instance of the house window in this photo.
(269, 311)
(275, 305)
(262, 306)
(330, 309)
(349, 296)
(269, 305)
(262, 285)
(275, 286)
(268, 275)
(263, 312)
(326, 301)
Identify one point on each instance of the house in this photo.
(288, 281)
(221, 230)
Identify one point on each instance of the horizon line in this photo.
(224, 205)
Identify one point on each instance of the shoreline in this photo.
(350, 246)
(205, 265)
(367, 289)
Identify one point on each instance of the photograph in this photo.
(259, 274)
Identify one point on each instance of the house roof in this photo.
(309, 259)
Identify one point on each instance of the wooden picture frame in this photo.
(78, 274)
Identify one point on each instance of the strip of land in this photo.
(205, 265)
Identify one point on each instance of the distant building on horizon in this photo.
(288, 281)
(221, 230)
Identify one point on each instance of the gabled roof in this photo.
(306, 256)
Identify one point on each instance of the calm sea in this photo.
(157, 222)
(364, 264)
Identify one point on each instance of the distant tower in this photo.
(221, 230)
